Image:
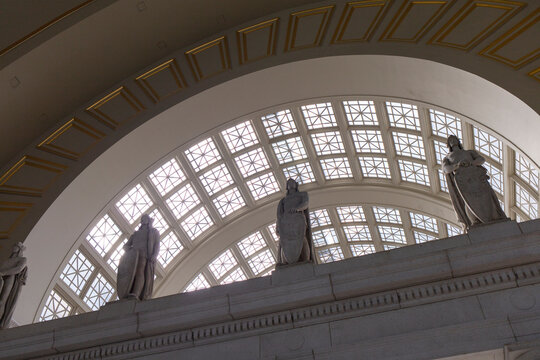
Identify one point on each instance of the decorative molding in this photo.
(302, 36)
(535, 74)
(72, 140)
(116, 108)
(265, 32)
(30, 176)
(473, 12)
(525, 28)
(209, 59)
(363, 15)
(11, 214)
(415, 17)
(159, 84)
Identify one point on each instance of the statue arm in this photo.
(478, 159)
(13, 267)
(305, 202)
(279, 215)
(448, 167)
(155, 240)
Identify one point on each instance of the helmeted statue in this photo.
(13, 274)
(293, 227)
(135, 278)
(473, 199)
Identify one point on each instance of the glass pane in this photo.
(403, 115)
(375, 167)
(197, 223)
(278, 124)
(77, 272)
(252, 162)
(198, 283)
(203, 154)
(328, 143)
(169, 248)
(103, 235)
(167, 177)
(99, 292)
(134, 203)
(368, 141)
(240, 136)
(216, 179)
(360, 112)
(301, 173)
(183, 201)
(319, 116)
(336, 168)
(229, 202)
(263, 186)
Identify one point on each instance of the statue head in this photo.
(292, 186)
(146, 220)
(453, 141)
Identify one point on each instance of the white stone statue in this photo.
(474, 200)
(293, 227)
(13, 274)
(135, 278)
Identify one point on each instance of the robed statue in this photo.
(13, 274)
(293, 227)
(135, 279)
(473, 199)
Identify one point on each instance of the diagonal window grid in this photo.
(495, 177)
(134, 203)
(360, 112)
(442, 181)
(319, 218)
(375, 167)
(488, 144)
(99, 292)
(272, 230)
(526, 171)
(251, 244)
(386, 215)
(235, 275)
(262, 261)
(328, 143)
(240, 136)
(526, 202)
(103, 235)
(229, 202)
(368, 141)
(403, 115)
(324, 237)
(453, 230)
(336, 168)
(279, 124)
(424, 222)
(348, 214)
(56, 307)
(301, 173)
(197, 223)
(114, 259)
(414, 172)
(263, 186)
(222, 264)
(198, 283)
(421, 237)
(289, 150)
(159, 221)
(362, 249)
(183, 201)
(77, 272)
(167, 177)
(203, 154)
(252, 162)
(357, 233)
(441, 150)
(169, 248)
(319, 116)
(409, 145)
(330, 255)
(444, 125)
(392, 234)
(216, 179)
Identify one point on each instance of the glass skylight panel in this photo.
(409, 145)
(99, 293)
(251, 244)
(216, 179)
(526, 202)
(229, 202)
(375, 167)
(421, 237)
(488, 144)
(424, 222)
(278, 124)
(390, 247)
(167, 177)
(182, 201)
(328, 143)
(198, 283)
(302, 173)
(263, 186)
(368, 141)
(519, 218)
(235, 275)
(272, 230)
(319, 218)
(330, 255)
(203, 154)
(289, 150)
(261, 262)
(453, 230)
(392, 234)
(441, 150)
(197, 223)
(403, 115)
(134, 203)
(349, 214)
(319, 116)
(324, 237)
(252, 162)
(103, 235)
(414, 172)
(169, 248)
(442, 181)
(222, 264)
(114, 259)
(55, 307)
(444, 125)
(360, 112)
(362, 249)
(159, 222)
(240, 136)
(357, 233)
(526, 171)
(77, 272)
(495, 177)
(387, 215)
(336, 168)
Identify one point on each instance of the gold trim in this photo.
(21, 208)
(535, 74)
(191, 56)
(292, 27)
(346, 18)
(177, 75)
(75, 123)
(241, 39)
(32, 162)
(123, 92)
(511, 8)
(491, 50)
(404, 11)
(43, 27)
